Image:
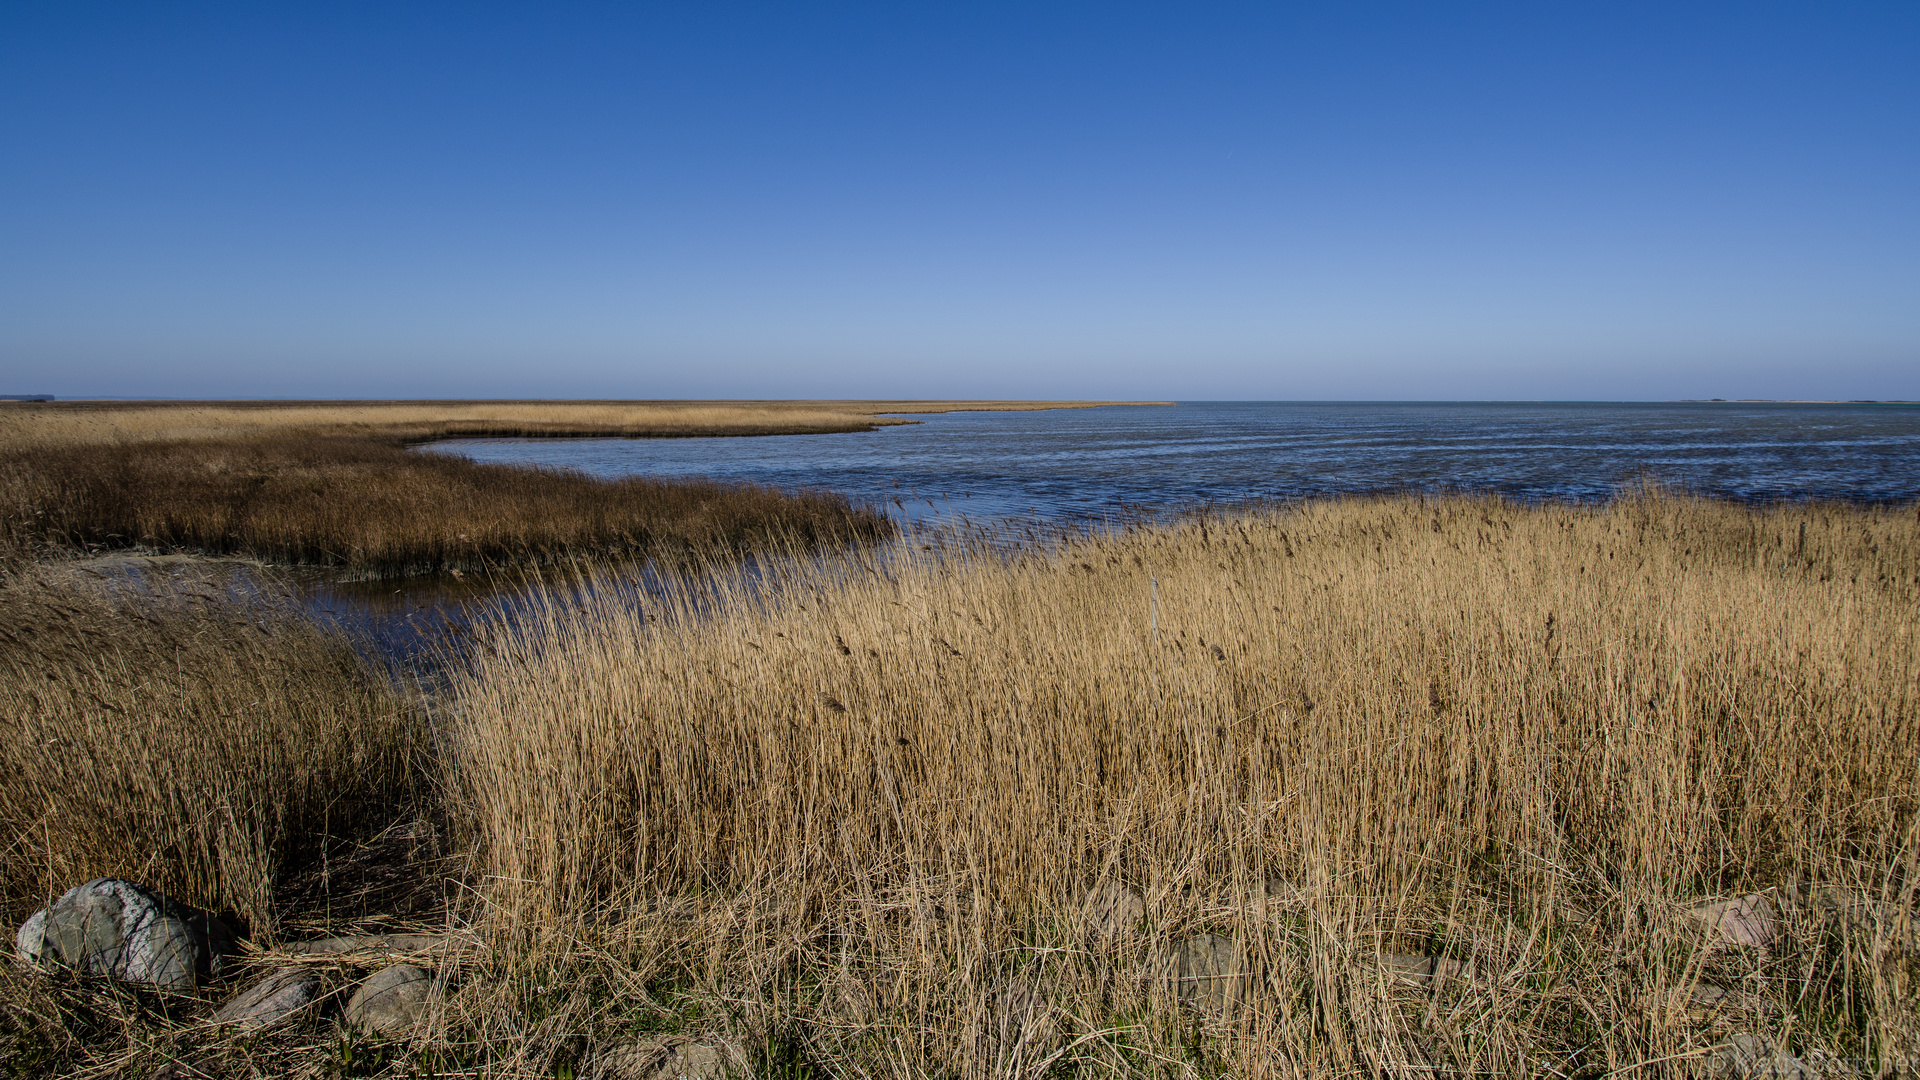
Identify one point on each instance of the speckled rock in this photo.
(1714, 1005)
(392, 1001)
(1744, 920)
(126, 931)
(1746, 1055)
(1110, 909)
(270, 1000)
(1405, 969)
(1210, 973)
(1858, 912)
(677, 1057)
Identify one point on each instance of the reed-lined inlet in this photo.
(1398, 785)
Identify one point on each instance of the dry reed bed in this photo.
(112, 424)
(866, 812)
(377, 507)
(175, 737)
(332, 482)
(860, 805)
(87, 423)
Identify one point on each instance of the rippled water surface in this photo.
(1078, 463)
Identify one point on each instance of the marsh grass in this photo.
(333, 483)
(179, 738)
(865, 802)
(885, 814)
(374, 506)
(96, 423)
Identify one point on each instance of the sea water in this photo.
(1077, 465)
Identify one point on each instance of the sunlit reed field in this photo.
(377, 508)
(92, 423)
(1359, 787)
(891, 810)
(335, 483)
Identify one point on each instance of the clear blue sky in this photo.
(1339, 200)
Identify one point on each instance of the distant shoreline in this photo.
(1792, 401)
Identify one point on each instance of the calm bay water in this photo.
(1076, 464)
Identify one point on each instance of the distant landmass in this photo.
(26, 397)
(1797, 401)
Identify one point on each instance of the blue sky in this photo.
(1372, 201)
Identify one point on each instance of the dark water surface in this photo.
(1076, 464)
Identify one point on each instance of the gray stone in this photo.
(1856, 912)
(1744, 920)
(1111, 909)
(1421, 971)
(124, 931)
(1210, 974)
(1707, 1002)
(392, 1001)
(676, 1057)
(1020, 1027)
(270, 1000)
(1747, 1055)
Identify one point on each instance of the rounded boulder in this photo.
(392, 1001)
(128, 932)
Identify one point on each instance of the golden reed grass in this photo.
(181, 739)
(334, 483)
(379, 508)
(873, 813)
(92, 423)
(875, 808)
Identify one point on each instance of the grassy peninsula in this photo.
(1357, 787)
(333, 483)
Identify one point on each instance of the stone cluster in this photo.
(120, 930)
